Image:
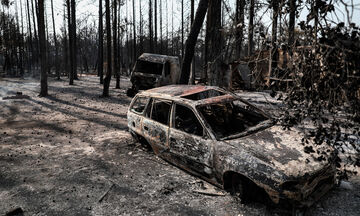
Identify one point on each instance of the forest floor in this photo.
(70, 154)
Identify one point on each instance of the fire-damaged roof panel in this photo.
(189, 92)
(155, 58)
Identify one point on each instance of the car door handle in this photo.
(146, 128)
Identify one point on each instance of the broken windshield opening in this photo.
(148, 67)
(230, 118)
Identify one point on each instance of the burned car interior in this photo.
(227, 119)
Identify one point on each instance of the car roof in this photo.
(179, 92)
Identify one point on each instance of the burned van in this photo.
(153, 70)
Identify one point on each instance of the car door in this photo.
(156, 124)
(188, 142)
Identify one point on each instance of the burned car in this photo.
(218, 136)
(153, 70)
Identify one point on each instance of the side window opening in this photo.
(185, 120)
(160, 111)
(139, 104)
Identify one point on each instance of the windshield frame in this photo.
(269, 121)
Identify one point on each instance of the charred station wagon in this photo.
(216, 135)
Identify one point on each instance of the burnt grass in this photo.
(70, 154)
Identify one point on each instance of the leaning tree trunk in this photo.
(41, 28)
(191, 40)
(108, 44)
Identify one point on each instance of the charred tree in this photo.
(115, 41)
(273, 52)
(251, 28)
(73, 32)
(41, 27)
(101, 45)
(151, 45)
(215, 43)
(239, 25)
(134, 32)
(57, 71)
(155, 26)
(292, 6)
(191, 40)
(108, 44)
(192, 70)
(71, 50)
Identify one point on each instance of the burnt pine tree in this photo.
(108, 44)
(116, 66)
(73, 35)
(101, 44)
(56, 44)
(239, 19)
(273, 51)
(71, 75)
(251, 27)
(41, 28)
(215, 43)
(191, 40)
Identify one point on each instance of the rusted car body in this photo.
(153, 70)
(220, 137)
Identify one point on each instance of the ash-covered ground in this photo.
(71, 154)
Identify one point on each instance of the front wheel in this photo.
(238, 188)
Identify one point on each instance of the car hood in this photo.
(283, 150)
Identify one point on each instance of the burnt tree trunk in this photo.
(116, 66)
(71, 51)
(240, 6)
(151, 46)
(191, 40)
(73, 26)
(134, 32)
(41, 28)
(251, 28)
(273, 52)
(57, 71)
(292, 6)
(215, 42)
(108, 44)
(101, 44)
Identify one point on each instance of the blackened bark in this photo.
(251, 28)
(42, 40)
(71, 75)
(57, 71)
(292, 6)
(273, 51)
(191, 40)
(108, 44)
(73, 26)
(101, 44)
(116, 66)
(240, 6)
(134, 29)
(215, 43)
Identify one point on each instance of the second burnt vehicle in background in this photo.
(216, 135)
